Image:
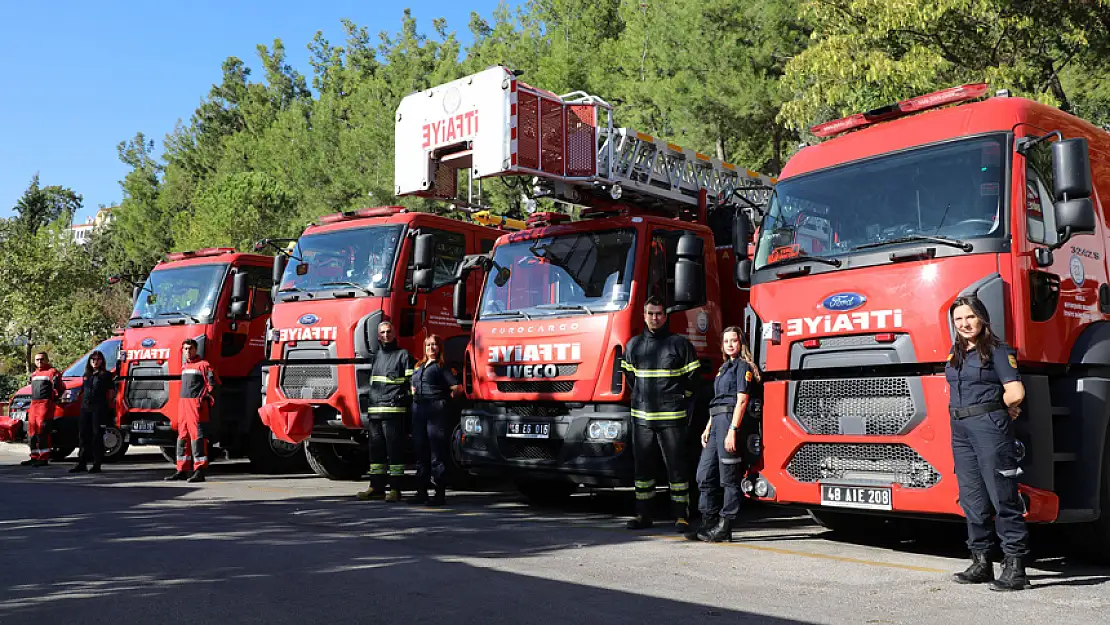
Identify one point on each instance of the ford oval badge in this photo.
(149, 342)
(307, 320)
(842, 302)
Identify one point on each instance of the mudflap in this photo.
(11, 430)
(290, 422)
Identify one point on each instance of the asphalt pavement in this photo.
(125, 547)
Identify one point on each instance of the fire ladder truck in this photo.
(562, 298)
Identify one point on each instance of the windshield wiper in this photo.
(963, 245)
(293, 289)
(803, 258)
(508, 313)
(350, 284)
(581, 307)
(179, 313)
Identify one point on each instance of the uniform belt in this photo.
(716, 410)
(974, 411)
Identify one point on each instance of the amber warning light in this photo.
(954, 95)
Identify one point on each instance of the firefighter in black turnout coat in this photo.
(985, 394)
(662, 370)
(390, 378)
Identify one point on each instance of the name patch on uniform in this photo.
(1013, 361)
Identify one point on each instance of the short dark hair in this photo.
(190, 342)
(43, 354)
(654, 301)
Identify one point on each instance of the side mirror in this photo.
(238, 309)
(424, 279)
(135, 291)
(279, 268)
(689, 278)
(423, 251)
(458, 305)
(741, 235)
(1071, 169)
(240, 290)
(1074, 217)
(502, 276)
(744, 273)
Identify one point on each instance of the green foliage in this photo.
(867, 53)
(40, 205)
(235, 210)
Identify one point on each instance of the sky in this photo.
(77, 78)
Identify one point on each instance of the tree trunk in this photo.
(720, 148)
(28, 356)
(776, 149)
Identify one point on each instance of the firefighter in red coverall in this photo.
(46, 388)
(198, 380)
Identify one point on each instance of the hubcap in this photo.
(112, 440)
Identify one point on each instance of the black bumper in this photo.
(566, 454)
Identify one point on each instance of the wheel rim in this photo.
(113, 440)
(283, 449)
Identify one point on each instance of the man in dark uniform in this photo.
(984, 399)
(662, 370)
(390, 377)
(198, 381)
(46, 387)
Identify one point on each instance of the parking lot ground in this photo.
(124, 546)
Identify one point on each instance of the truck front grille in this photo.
(535, 387)
(881, 463)
(147, 386)
(308, 381)
(530, 450)
(880, 406)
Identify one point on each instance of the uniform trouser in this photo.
(40, 424)
(90, 430)
(647, 440)
(983, 448)
(385, 450)
(719, 472)
(429, 441)
(191, 424)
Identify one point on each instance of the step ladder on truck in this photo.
(562, 297)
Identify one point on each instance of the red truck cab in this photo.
(221, 299)
(345, 275)
(868, 240)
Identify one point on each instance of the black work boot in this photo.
(707, 521)
(421, 497)
(177, 477)
(439, 498)
(981, 570)
(30, 462)
(94, 468)
(639, 522)
(1012, 576)
(198, 476)
(720, 532)
(79, 469)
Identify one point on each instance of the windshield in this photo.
(586, 272)
(362, 257)
(109, 348)
(951, 190)
(185, 291)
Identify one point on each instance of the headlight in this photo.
(70, 396)
(603, 430)
(472, 425)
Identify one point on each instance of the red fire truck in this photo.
(347, 273)
(563, 297)
(868, 240)
(221, 299)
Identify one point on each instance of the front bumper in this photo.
(567, 453)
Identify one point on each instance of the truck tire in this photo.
(272, 455)
(115, 444)
(458, 477)
(337, 461)
(1096, 545)
(546, 493)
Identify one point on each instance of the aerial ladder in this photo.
(491, 124)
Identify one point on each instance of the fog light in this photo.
(472, 425)
(746, 486)
(762, 487)
(603, 430)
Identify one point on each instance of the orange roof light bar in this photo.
(208, 251)
(362, 213)
(953, 95)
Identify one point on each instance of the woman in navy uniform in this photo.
(985, 393)
(433, 385)
(97, 391)
(722, 463)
